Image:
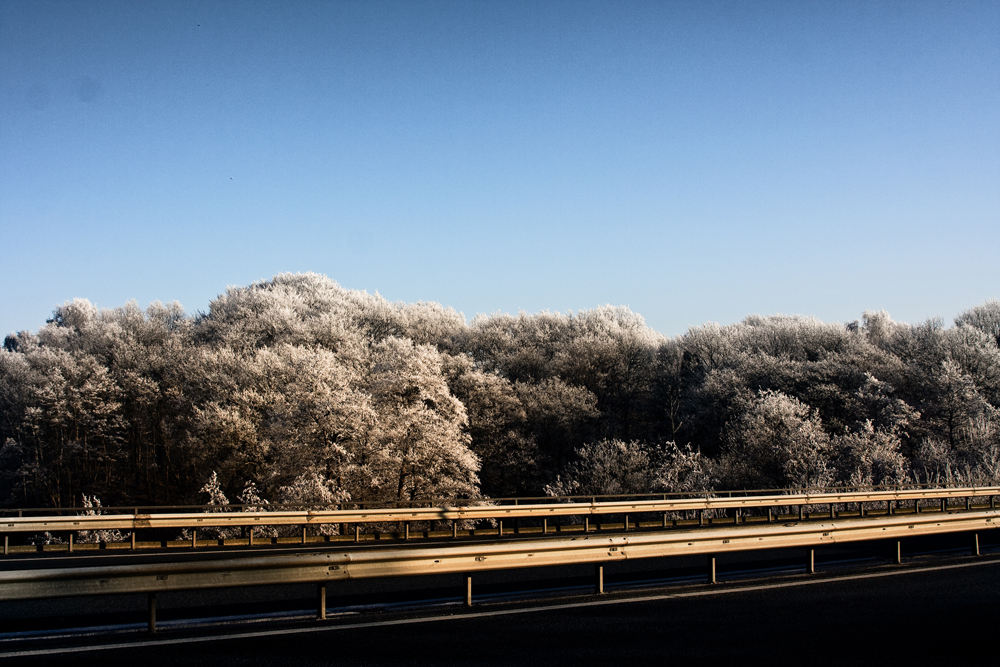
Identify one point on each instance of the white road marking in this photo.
(496, 612)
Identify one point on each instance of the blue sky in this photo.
(696, 161)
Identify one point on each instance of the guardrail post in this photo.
(321, 601)
(861, 510)
(993, 502)
(586, 524)
(303, 534)
(406, 530)
(975, 544)
(599, 579)
(133, 540)
(468, 590)
(664, 519)
(194, 538)
(249, 536)
(701, 517)
(71, 542)
(626, 522)
(968, 503)
(811, 562)
(545, 526)
(454, 528)
(899, 552)
(801, 508)
(944, 505)
(500, 528)
(6, 544)
(916, 506)
(357, 532)
(152, 613)
(888, 508)
(711, 569)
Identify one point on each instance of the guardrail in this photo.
(491, 502)
(480, 510)
(330, 566)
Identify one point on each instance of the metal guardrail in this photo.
(6, 512)
(476, 510)
(469, 558)
(413, 560)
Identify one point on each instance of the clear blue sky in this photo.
(696, 161)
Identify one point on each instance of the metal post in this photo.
(975, 544)
(321, 601)
(701, 517)
(626, 522)
(770, 515)
(152, 613)
(599, 579)
(586, 524)
(833, 511)
(899, 552)
(468, 590)
(6, 544)
(250, 537)
(194, 538)
(916, 506)
(888, 508)
(133, 540)
(944, 505)
(800, 512)
(454, 528)
(664, 519)
(861, 510)
(736, 515)
(406, 530)
(357, 533)
(711, 569)
(968, 503)
(71, 542)
(303, 534)
(545, 525)
(500, 528)
(993, 502)
(811, 562)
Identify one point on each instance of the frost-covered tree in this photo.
(777, 442)
(611, 467)
(869, 456)
(309, 390)
(607, 467)
(422, 447)
(985, 318)
(512, 462)
(92, 507)
(559, 416)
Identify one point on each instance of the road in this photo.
(937, 611)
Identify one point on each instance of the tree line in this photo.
(296, 390)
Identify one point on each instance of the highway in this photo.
(935, 609)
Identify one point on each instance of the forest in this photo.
(297, 390)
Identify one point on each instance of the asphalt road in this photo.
(933, 612)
